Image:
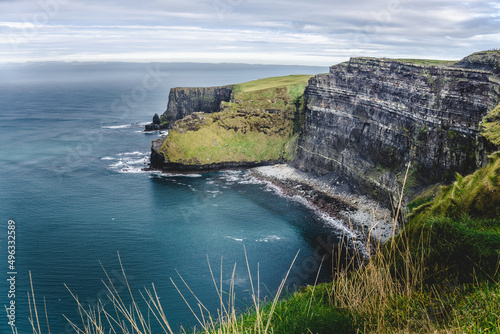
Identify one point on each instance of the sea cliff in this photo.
(367, 119)
(362, 123)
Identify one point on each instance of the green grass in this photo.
(420, 200)
(227, 137)
(461, 227)
(426, 62)
(477, 195)
(272, 82)
(307, 311)
(455, 248)
(479, 311)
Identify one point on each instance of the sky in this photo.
(288, 32)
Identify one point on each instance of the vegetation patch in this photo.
(306, 311)
(426, 62)
(477, 195)
(457, 235)
(491, 126)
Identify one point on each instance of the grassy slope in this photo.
(245, 130)
(491, 126)
(427, 62)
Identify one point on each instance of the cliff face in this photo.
(185, 101)
(367, 118)
(484, 60)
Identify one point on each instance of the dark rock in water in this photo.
(368, 118)
(156, 125)
(152, 127)
(158, 163)
(157, 159)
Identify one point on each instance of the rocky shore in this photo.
(358, 213)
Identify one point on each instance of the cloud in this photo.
(315, 32)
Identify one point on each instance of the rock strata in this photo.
(367, 119)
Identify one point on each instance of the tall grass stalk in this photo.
(134, 318)
(373, 293)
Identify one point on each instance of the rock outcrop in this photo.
(185, 101)
(156, 125)
(484, 60)
(368, 118)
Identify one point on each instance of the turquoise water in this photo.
(71, 161)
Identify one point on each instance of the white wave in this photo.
(238, 281)
(131, 153)
(114, 127)
(235, 239)
(163, 174)
(135, 170)
(231, 176)
(129, 162)
(269, 238)
(329, 221)
(239, 176)
(118, 164)
(125, 126)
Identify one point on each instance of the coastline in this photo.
(365, 216)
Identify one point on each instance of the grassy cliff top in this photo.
(426, 62)
(410, 61)
(461, 226)
(287, 88)
(273, 82)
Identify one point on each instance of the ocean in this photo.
(74, 193)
